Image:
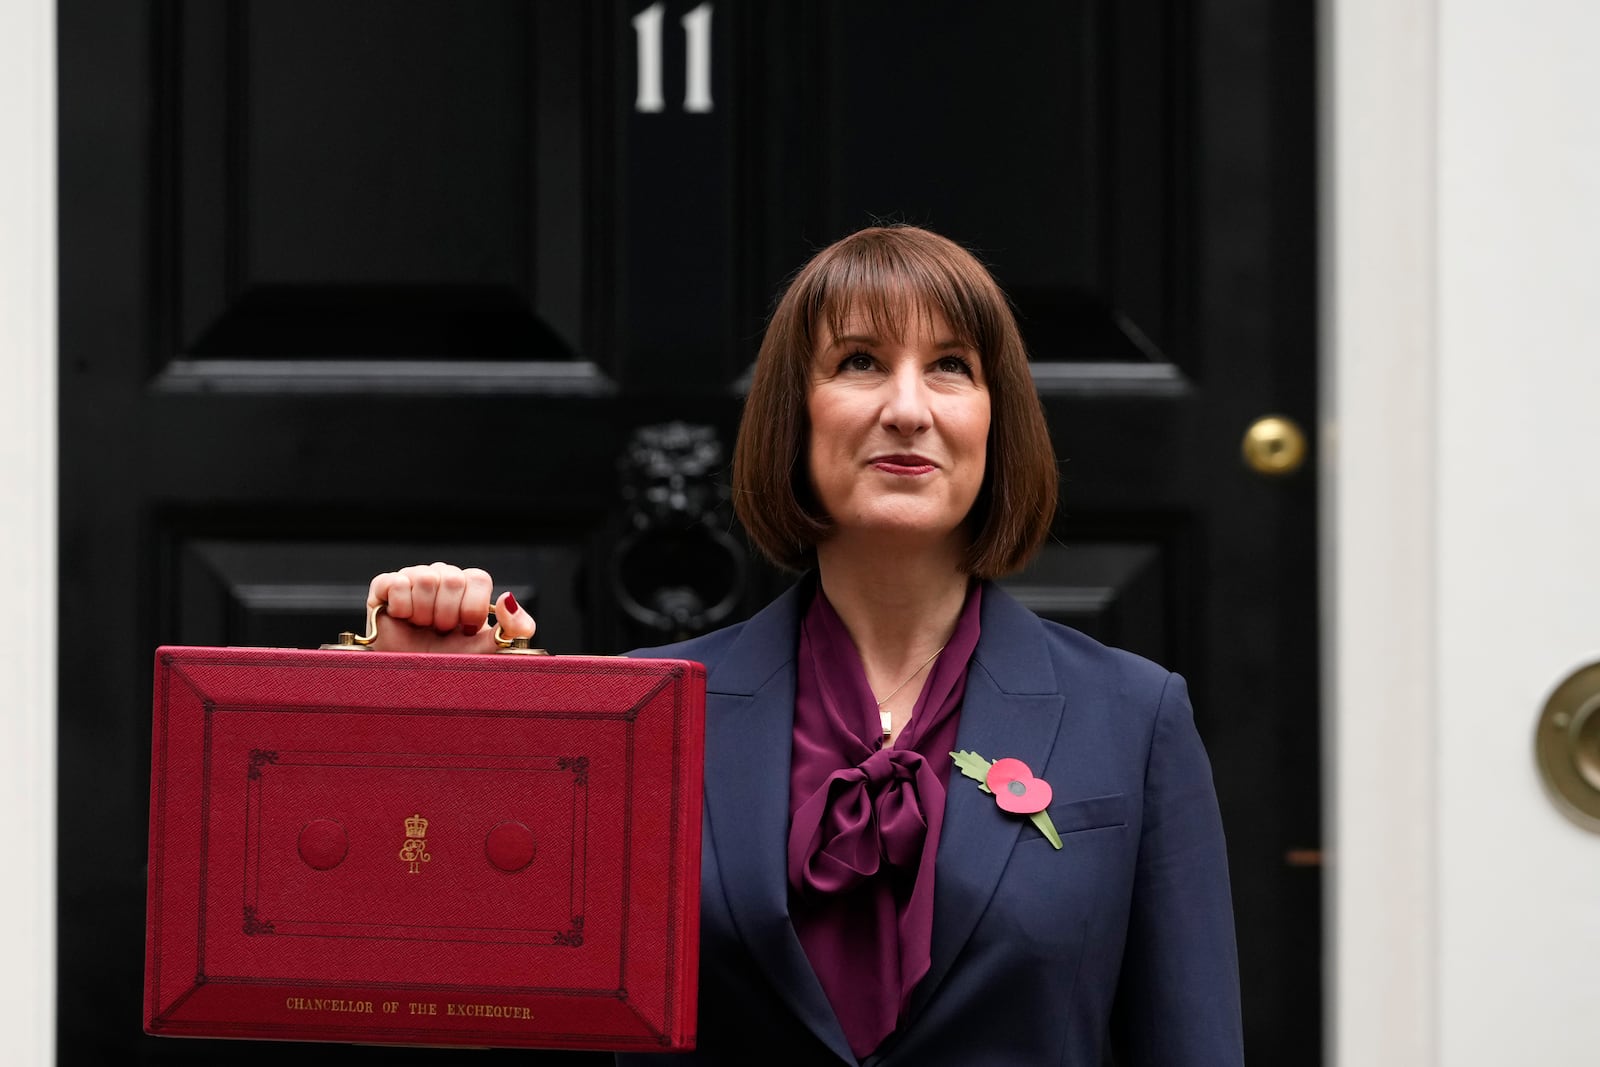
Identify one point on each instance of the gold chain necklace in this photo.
(883, 716)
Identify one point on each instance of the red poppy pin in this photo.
(1014, 787)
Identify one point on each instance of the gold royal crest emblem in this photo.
(415, 850)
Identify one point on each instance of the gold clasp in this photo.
(353, 642)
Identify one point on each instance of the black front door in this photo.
(351, 285)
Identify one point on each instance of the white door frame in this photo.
(1461, 347)
(1378, 189)
(28, 529)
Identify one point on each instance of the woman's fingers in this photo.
(450, 585)
(514, 620)
(443, 608)
(378, 590)
(411, 593)
(475, 600)
(425, 583)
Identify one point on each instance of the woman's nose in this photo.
(906, 408)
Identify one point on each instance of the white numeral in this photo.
(647, 28)
(697, 59)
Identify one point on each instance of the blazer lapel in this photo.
(1012, 707)
(749, 739)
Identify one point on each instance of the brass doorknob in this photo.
(1274, 445)
(1567, 745)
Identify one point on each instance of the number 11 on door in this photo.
(697, 59)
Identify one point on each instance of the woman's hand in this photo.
(442, 608)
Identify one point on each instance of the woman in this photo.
(863, 899)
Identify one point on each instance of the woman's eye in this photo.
(856, 361)
(954, 365)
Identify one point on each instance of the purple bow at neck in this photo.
(865, 821)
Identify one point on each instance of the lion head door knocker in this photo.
(676, 571)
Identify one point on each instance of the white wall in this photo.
(1518, 495)
(27, 527)
(1463, 345)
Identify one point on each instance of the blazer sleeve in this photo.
(1177, 1002)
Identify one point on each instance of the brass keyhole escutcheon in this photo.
(1274, 445)
(1567, 746)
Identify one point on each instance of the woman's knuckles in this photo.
(439, 607)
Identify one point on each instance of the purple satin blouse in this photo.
(865, 820)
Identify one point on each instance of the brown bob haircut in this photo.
(885, 273)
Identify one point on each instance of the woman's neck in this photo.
(898, 605)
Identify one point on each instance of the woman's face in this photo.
(899, 428)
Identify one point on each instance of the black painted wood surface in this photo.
(350, 285)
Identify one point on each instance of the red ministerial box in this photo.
(432, 849)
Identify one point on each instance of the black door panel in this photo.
(351, 285)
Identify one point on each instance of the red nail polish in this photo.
(511, 603)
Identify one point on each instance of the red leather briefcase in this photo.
(431, 849)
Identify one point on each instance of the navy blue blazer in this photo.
(1121, 942)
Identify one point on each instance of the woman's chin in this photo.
(909, 532)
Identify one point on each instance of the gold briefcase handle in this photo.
(352, 642)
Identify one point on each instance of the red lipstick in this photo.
(904, 464)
